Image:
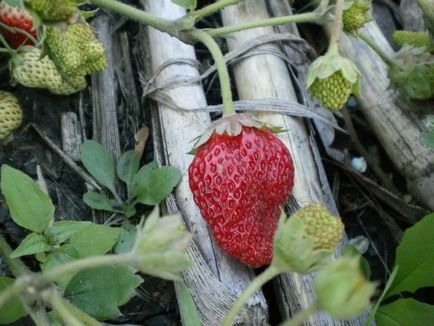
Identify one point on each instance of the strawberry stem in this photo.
(6, 45)
(212, 8)
(311, 17)
(18, 30)
(301, 316)
(256, 284)
(374, 46)
(222, 70)
(337, 28)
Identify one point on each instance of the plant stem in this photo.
(222, 69)
(5, 44)
(209, 10)
(16, 266)
(337, 27)
(256, 284)
(82, 264)
(374, 46)
(312, 17)
(18, 30)
(58, 304)
(301, 316)
(138, 15)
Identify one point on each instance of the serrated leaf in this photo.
(158, 185)
(98, 200)
(13, 309)
(144, 173)
(415, 258)
(99, 163)
(61, 231)
(94, 239)
(32, 244)
(58, 257)
(405, 312)
(126, 239)
(128, 165)
(29, 206)
(95, 291)
(187, 4)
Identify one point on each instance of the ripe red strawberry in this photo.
(16, 17)
(241, 177)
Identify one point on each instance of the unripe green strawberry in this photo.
(30, 70)
(355, 15)
(417, 39)
(11, 114)
(53, 10)
(70, 86)
(76, 51)
(326, 229)
(331, 79)
(332, 91)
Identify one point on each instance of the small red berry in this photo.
(20, 18)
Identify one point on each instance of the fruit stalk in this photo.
(257, 283)
(222, 70)
(371, 43)
(312, 17)
(301, 316)
(18, 30)
(337, 27)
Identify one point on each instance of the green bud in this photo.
(294, 248)
(160, 246)
(342, 290)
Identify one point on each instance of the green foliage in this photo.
(34, 243)
(428, 139)
(29, 206)
(14, 309)
(100, 291)
(61, 231)
(148, 185)
(187, 306)
(60, 256)
(405, 312)
(187, 4)
(413, 270)
(94, 240)
(415, 258)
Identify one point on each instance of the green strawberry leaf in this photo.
(99, 163)
(13, 309)
(95, 239)
(34, 243)
(99, 201)
(61, 231)
(29, 206)
(405, 312)
(126, 239)
(158, 185)
(144, 173)
(415, 258)
(187, 306)
(59, 256)
(95, 291)
(187, 4)
(128, 166)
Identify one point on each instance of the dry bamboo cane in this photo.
(215, 280)
(266, 76)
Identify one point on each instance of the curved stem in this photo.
(302, 316)
(222, 69)
(337, 27)
(18, 30)
(312, 17)
(138, 15)
(212, 8)
(5, 44)
(383, 55)
(260, 280)
(16, 266)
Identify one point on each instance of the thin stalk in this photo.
(14, 290)
(5, 44)
(373, 45)
(211, 9)
(16, 266)
(138, 15)
(257, 283)
(337, 27)
(18, 30)
(60, 307)
(302, 316)
(83, 264)
(311, 17)
(222, 69)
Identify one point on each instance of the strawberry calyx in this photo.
(232, 125)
